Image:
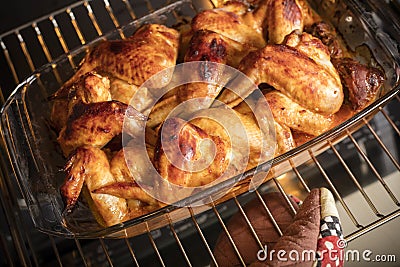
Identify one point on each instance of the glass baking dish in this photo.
(37, 160)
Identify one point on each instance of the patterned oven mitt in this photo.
(313, 237)
(331, 243)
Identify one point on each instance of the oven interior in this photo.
(362, 171)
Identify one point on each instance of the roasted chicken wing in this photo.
(284, 138)
(282, 18)
(230, 24)
(224, 35)
(295, 74)
(150, 49)
(89, 165)
(289, 113)
(111, 185)
(90, 88)
(96, 124)
(184, 157)
(361, 82)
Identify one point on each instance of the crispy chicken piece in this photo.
(150, 49)
(90, 165)
(293, 73)
(328, 36)
(96, 124)
(313, 48)
(282, 18)
(284, 138)
(361, 82)
(247, 144)
(205, 46)
(230, 24)
(126, 177)
(111, 186)
(224, 35)
(289, 113)
(185, 158)
(309, 15)
(209, 46)
(139, 97)
(90, 88)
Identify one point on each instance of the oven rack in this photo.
(36, 43)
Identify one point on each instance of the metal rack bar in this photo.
(131, 251)
(278, 229)
(78, 246)
(178, 241)
(113, 18)
(25, 51)
(372, 226)
(61, 39)
(46, 50)
(9, 61)
(354, 179)
(382, 144)
(389, 120)
(153, 244)
(299, 176)
(149, 6)
(76, 26)
(253, 232)
(130, 9)
(54, 246)
(200, 232)
(232, 242)
(93, 18)
(285, 195)
(333, 189)
(372, 167)
(104, 247)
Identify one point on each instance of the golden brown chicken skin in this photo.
(287, 112)
(90, 165)
(248, 144)
(94, 124)
(205, 46)
(152, 48)
(224, 35)
(284, 138)
(361, 82)
(229, 24)
(208, 46)
(90, 88)
(314, 49)
(282, 18)
(293, 73)
(115, 195)
(125, 185)
(189, 138)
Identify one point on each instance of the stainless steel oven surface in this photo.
(359, 162)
